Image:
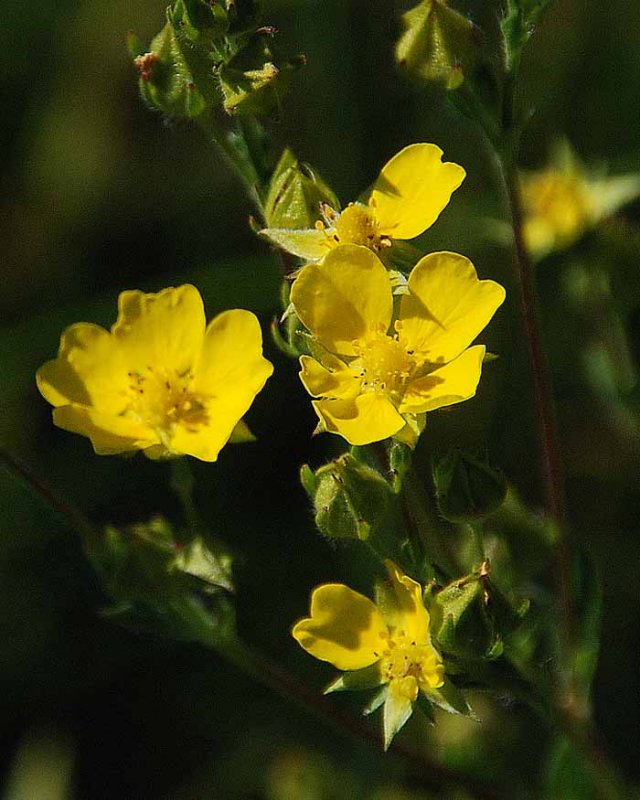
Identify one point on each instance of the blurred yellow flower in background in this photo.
(408, 196)
(161, 380)
(383, 643)
(564, 200)
(376, 377)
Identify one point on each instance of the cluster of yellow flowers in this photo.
(385, 352)
(163, 382)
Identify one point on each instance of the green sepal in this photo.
(176, 76)
(356, 680)
(295, 193)
(254, 80)
(241, 434)
(199, 19)
(439, 45)
(425, 707)
(134, 45)
(467, 488)
(376, 701)
(449, 698)
(212, 570)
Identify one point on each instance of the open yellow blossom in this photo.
(161, 380)
(407, 198)
(375, 377)
(386, 643)
(563, 201)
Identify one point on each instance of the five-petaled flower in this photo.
(564, 200)
(161, 380)
(376, 374)
(386, 643)
(407, 198)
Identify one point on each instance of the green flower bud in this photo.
(295, 194)
(471, 618)
(467, 488)
(439, 44)
(353, 501)
(254, 80)
(176, 76)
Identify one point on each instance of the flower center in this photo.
(355, 225)
(385, 365)
(404, 658)
(163, 399)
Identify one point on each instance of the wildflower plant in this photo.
(385, 335)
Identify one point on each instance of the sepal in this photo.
(356, 680)
(255, 79)
(295, 193)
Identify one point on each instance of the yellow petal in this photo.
(229, 372)
(162, 330)
(400, 601)
(453, 383)
(412, 189)
(398, 706)
(365, 419)
(108, 434)
(345, 628)
(90, 370)
(309, 244)
(332, 378)
(447, 306)
(344, 298)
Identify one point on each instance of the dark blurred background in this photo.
(99, 195)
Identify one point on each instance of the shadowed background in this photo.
(99, 194)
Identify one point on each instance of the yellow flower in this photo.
(407, 198)
(563, 201)
(374, 377)
(161, 380)
(386, 643)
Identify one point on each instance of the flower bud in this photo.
(353, 501)
(254, 80)
(471, 616)
(467, 488)
(175, 76)
(439, 44)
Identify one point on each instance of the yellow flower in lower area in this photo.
(563, 201)
(376, 374)
(161, 380)
(386, 643)
(407, 198)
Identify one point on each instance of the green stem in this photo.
(238, 159)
